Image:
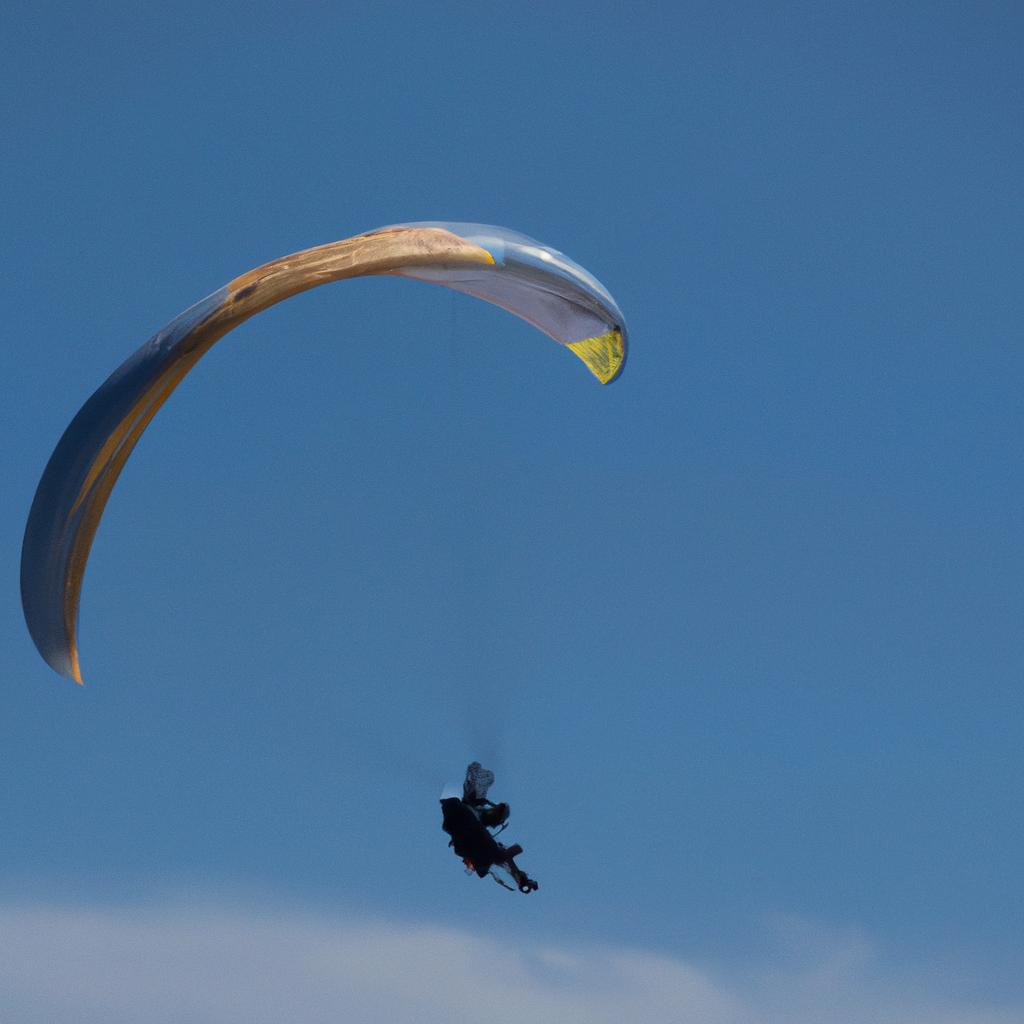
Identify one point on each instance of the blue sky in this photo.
(740, 634)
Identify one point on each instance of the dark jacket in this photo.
(470, 840)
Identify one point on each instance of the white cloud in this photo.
(217, 965)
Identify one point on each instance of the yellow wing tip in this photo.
(603, 354)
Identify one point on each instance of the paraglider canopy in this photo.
(530, 279)
(544, 287)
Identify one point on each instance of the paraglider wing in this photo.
(545, 288)
(527, 278)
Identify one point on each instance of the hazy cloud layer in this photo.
(73, 965)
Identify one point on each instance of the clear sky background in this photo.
(740, 634)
